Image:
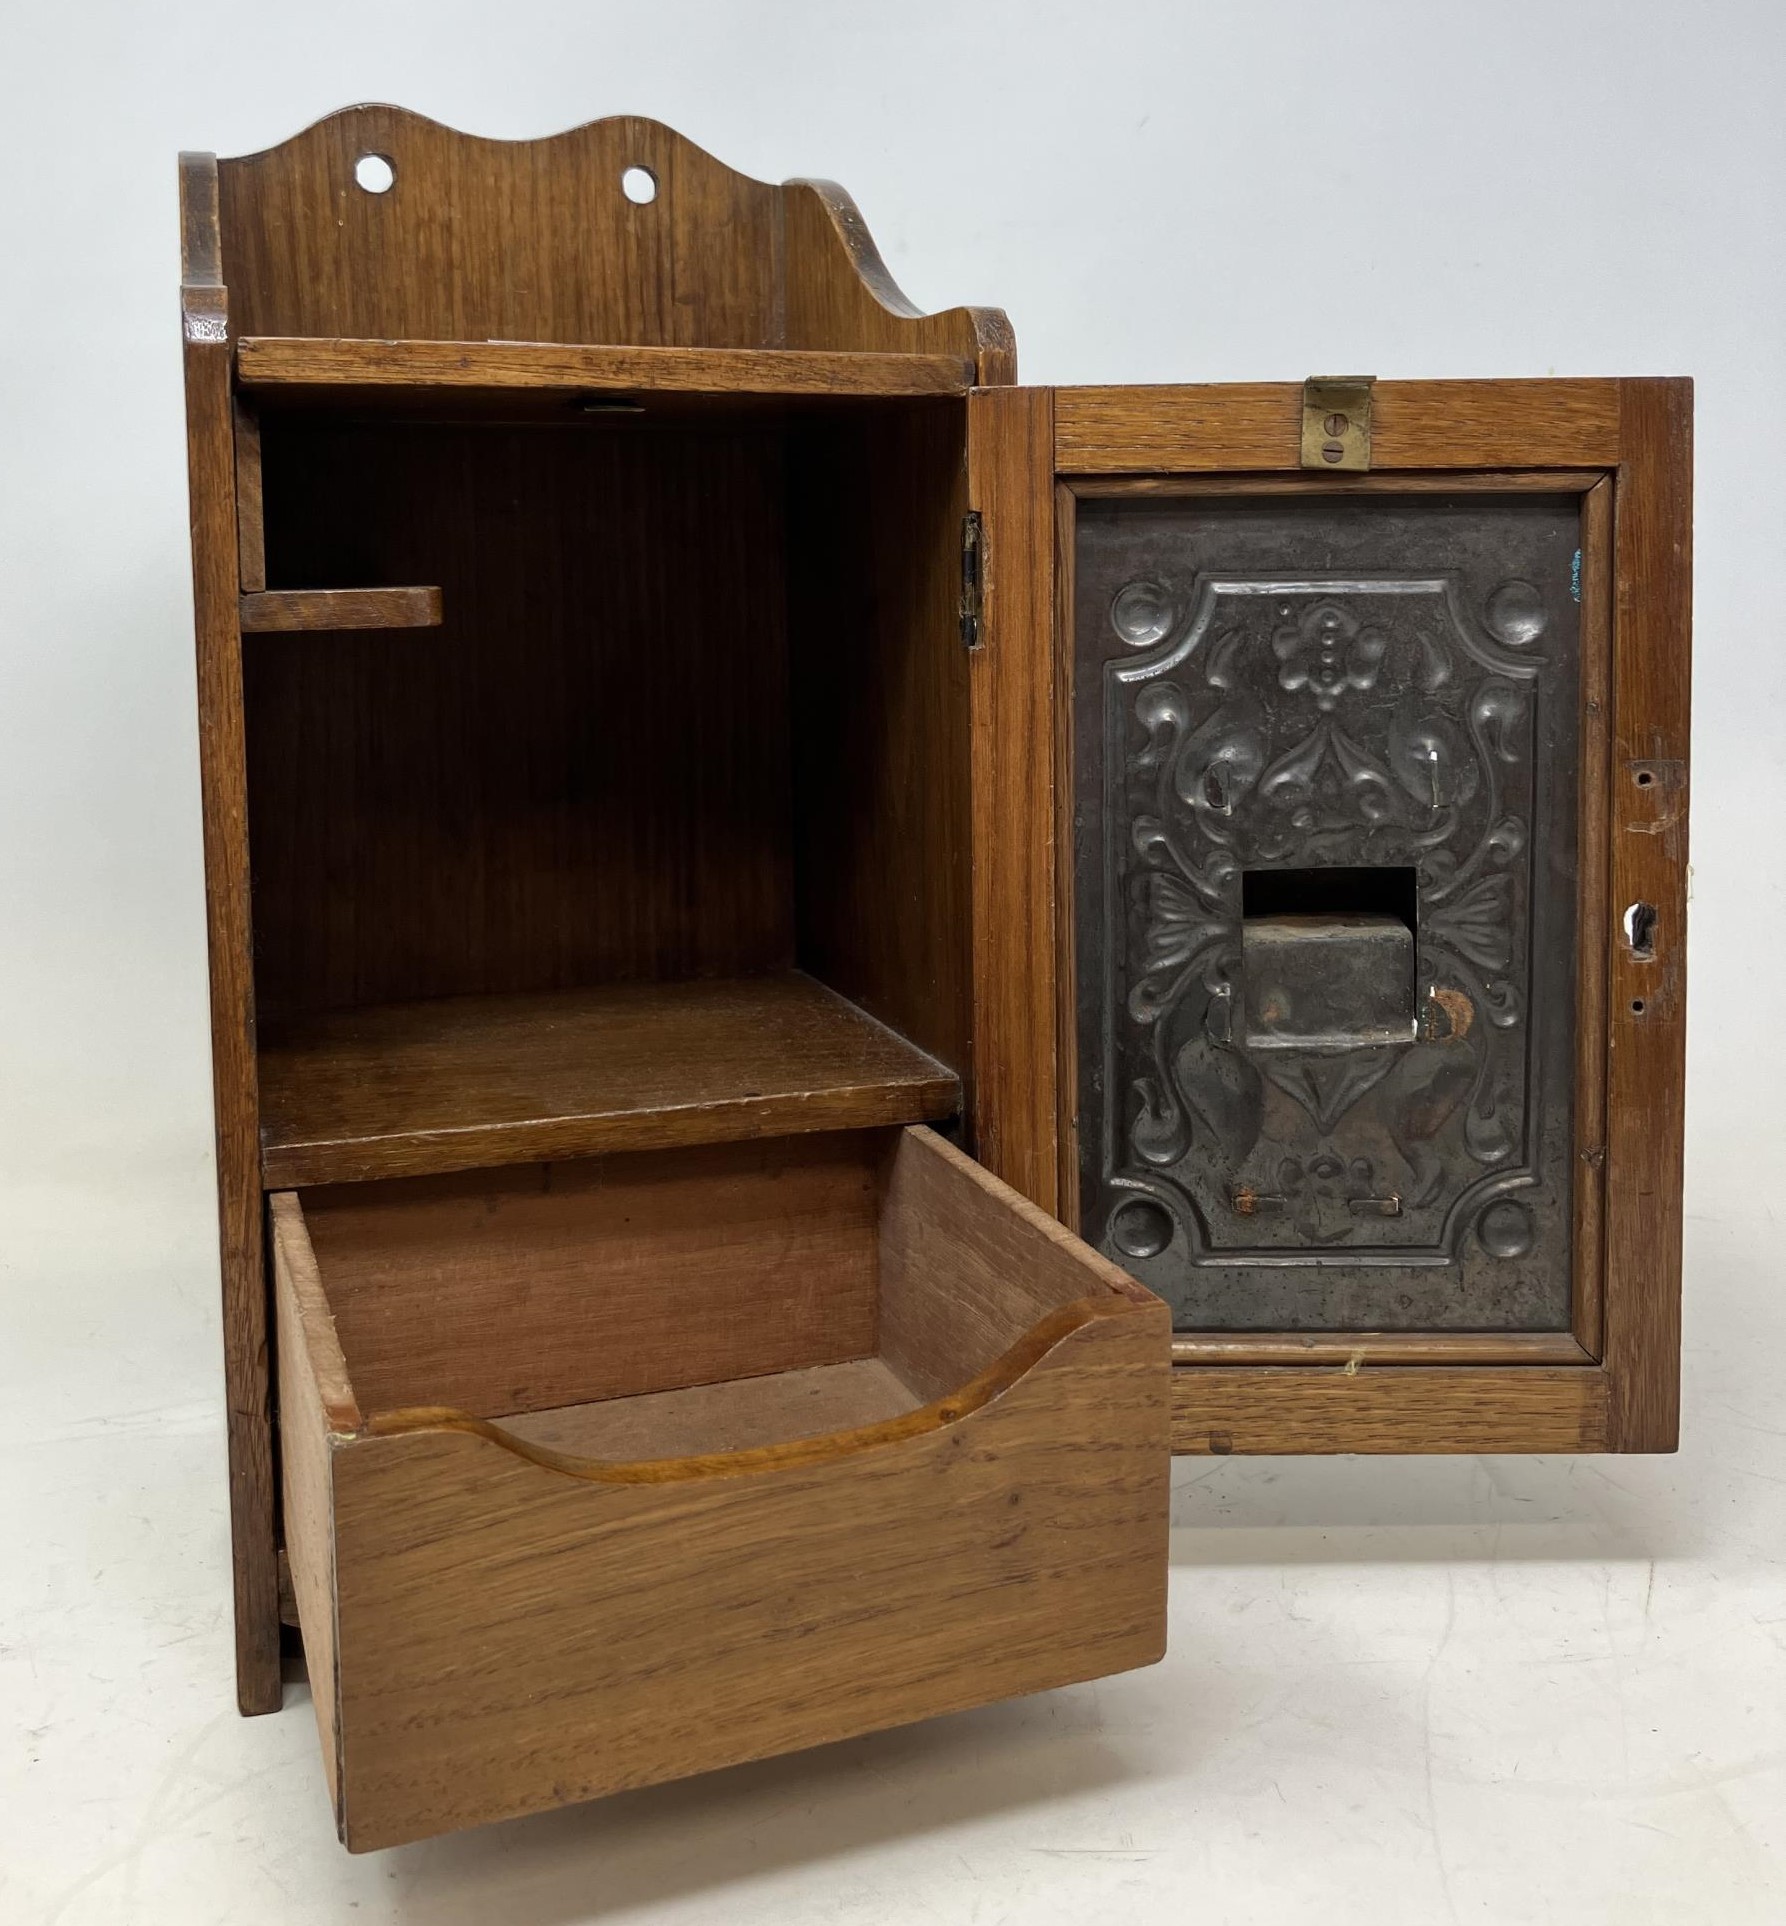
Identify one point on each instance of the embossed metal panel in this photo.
(1326, 755)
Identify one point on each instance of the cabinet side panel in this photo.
(880, 719)
(967, 1270)
(837, 292)
(210, 444)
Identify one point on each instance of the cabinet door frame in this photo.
(1611, 1382)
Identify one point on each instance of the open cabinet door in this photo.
(1330, 789)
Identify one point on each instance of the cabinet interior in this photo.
(693, 717)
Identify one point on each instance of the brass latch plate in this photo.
(1336, 422)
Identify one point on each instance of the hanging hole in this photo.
(1640, 929)
(639, 185)
(375, 173)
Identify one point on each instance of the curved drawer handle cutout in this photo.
(998, 1377)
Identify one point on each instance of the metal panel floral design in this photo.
(1325, 833)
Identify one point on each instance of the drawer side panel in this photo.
(306, 1450)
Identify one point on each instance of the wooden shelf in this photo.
(302, 366)
(296, 611)
(458, 1083)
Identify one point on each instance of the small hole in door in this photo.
(1637, 1006)
(639, 185)
(375, 173)
(1645, 777)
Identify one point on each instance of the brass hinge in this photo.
(1336, 422)
(973, 574)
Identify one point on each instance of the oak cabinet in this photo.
(818, 957)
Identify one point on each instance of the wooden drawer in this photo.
(604, 1473)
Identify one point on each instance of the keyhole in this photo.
(1640, 930)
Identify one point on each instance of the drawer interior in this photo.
(831, 1432)
(677, 1303)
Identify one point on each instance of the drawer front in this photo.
(494, 1627)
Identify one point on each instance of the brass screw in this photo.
(1335, 424)
(1332, 451)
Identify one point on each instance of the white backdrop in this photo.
(1154, 192)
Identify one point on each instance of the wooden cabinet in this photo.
(734, 833)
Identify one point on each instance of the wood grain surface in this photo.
(880, 728)
(1194, 486)
(864, 308)
(740, 1414)
(211, 456)
(251, 537)
(515, 1629)
(525, 241)
(1238, 426)
(316, 1403)
(1016, 1098)
(1379, 1347)
(583, 775)
(1647, 996)
(1595, 924)
(297, 610)
(272, 365)
(968, 1265)
(513, 1638)
(1395, 1408)
(455, 1083)
(546, 1285)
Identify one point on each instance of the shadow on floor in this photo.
(728, 1829)
(1343, 1510)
